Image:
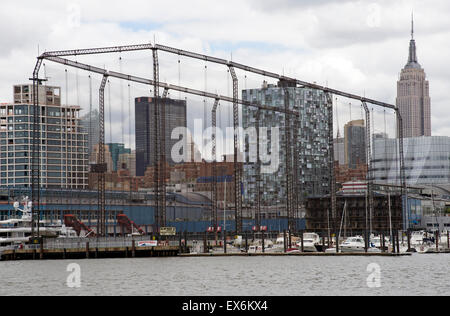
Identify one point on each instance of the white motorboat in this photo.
(353, 244)
(310, 242)
(356, 245)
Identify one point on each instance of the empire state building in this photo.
(413, 96)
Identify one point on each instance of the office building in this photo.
(176, 116)
(427, 160)
(355, 143)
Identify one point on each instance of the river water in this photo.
(232, 276)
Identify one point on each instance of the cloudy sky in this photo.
(356, 46)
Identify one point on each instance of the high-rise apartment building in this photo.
(313, 143)
(355, 143)
(413, 96)
(64, 148)
(176, 116)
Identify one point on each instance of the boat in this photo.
(310, 242)
(356, 245)
(16, 231)
(377, 242)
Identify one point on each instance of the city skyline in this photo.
(367, 62)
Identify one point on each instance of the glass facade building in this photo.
(427, 160)
(176, 116)
(313, 143)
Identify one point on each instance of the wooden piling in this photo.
(285, 241)
(337, 243)
(224, 241)
(398, 242)
(302, 241)
(41, 249)
(246, 242)
(87, 250)
(448, 240)
(133, 249)
(409, 240)
(263, 243)
(437, 240)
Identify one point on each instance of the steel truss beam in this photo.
(404, 190)
(145, 81)
(288, 162)
(101, 170)
(214, 215)
(332, 180)
(258, 173)
(270, 75)
(369, 167)
(55, 56)
(237, 169)
(97, 51)
(36, 153)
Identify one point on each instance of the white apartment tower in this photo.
(64, 143)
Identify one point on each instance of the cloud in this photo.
(356, 46)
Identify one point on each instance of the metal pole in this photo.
(288, 163)
(332, 181)
(214, 215)
(237, 169)
(36, 152)
(369, 165)
(404, 190)
(101, 164)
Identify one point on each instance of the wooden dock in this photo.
(305, 254)
(89, 253)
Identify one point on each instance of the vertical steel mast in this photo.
(404, 189)
(288, 162)
(237, 169)
(331, 164)
(101, 167)
(36, 154)
(156, 138)
(214, 218)
(258, 173)
(369, 164)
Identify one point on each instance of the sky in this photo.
(356, 46)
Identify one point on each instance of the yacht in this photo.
(16, 231)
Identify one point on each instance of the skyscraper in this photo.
(176, 116)
(355, 143)
(313, 143)
(413, 96)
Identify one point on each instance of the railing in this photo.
(108, 242)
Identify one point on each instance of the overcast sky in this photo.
(356, 46)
